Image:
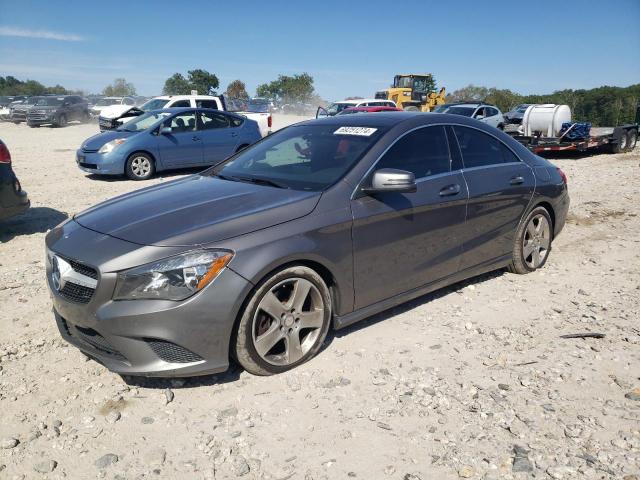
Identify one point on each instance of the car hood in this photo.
(114, 111)
(94, 143)
(196, 210)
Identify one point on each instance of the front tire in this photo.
(140, 166)
(532, 243)
(61, 121)
(284, 323)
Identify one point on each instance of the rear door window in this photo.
(207, 104)
(211, 120)
(181, 103)
(480, 149)
(424, 152)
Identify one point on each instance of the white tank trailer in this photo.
(545, 120)
(541, 126)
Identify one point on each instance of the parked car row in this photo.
(55, 110)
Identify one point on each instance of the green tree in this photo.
(470, 92)
(176, 84)
(288, 89)
(119, 88)
(203, 82)
(237, 89)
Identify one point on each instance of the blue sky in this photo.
(349, 47)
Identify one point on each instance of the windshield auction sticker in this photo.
(359, 131)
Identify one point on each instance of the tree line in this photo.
(602, 106)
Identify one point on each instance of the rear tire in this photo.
(284, 323)
(532, 243)
(140, 166)
(621, 145)
(632, 140)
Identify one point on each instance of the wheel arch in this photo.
(325, 273)
(549, 208)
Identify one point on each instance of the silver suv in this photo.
(484, 112)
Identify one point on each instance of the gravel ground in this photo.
(470, 382)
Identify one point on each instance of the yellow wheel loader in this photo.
(414, 92)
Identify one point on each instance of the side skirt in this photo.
(365, 312)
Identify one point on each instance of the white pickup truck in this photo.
(115, 115)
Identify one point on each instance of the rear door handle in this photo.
(516, 180)
(195, 138)
(234, 134)
(453, 189)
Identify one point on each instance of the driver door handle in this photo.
(516, 180)
(195, 138)
(449, 190)
(234, 134)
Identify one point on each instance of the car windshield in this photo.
(521, 108)
(104, 102)
(305, 157)
(143, 122)
(441, 108)
(31, 100)
(50, 101)
(154, 104)
(458, 110)
(337, 107)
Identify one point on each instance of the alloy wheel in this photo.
(140, 166)
(536, 241)
(288, 321)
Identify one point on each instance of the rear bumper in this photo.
(14, 205)
(561, 209)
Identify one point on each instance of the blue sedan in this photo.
(167, 139)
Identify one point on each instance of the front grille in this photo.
(76, 293)
(92, 166)
(91, 338)
(172, 353)
(79, 293)
(83, 269)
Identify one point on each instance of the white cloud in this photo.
(7, 31)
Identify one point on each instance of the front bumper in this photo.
(155, 338)
(101, 164)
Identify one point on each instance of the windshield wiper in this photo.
(260, 181)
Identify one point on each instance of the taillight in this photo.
(562, 175)
(16, 185)
(270, 121)
(5, 156)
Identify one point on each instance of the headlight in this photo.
(406, 94)
(109, 146)
(174, 278)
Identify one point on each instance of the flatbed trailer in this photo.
(617, 139)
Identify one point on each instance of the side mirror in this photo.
(392, 180)
(165, 130)
(321, 112)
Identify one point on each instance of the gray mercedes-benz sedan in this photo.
(315, 227)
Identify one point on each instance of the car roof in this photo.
(182, 109)
(182, 97)
(377, 108)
